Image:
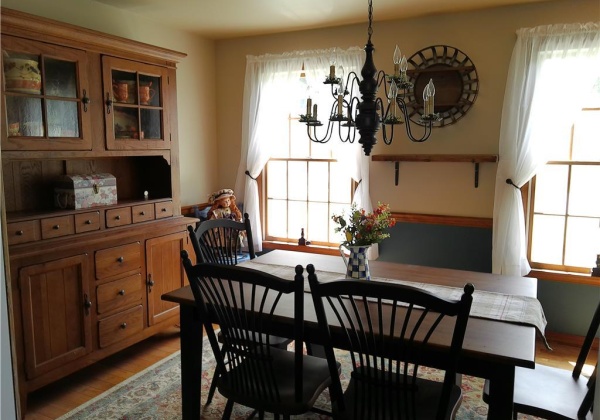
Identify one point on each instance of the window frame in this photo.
(263, 195)
(548, 270)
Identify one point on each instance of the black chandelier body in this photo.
(368, 115)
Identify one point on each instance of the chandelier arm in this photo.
(426, 126)
(314, 136)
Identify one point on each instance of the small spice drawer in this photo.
(118, 217)
(87, 222)
(142, 213)
(120, 326)
(118, 260)
(164, 209)
(21, 232)
(54, 227)
(119, 294)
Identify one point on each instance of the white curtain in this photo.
(269, 95)
(550, 70)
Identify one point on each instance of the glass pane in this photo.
(339, 190)
(551, 189)
(22, 73)
(547, 239)
(126, 123)
(281, 145)
(296, 219)
(299, 142)
(149, 91)
(584, 199)
(583, 241)
(277, 179)
(318, 181)
(336, 209)
(60, 78)
(318, 222)
(151, 124)
(24, 116)
(277, 220)
(585, 136)
(323, 150)
(297, 180)
(124, 87)
(62, 118)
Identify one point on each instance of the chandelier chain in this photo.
(370, 30)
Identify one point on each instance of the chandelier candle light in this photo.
(368, 114)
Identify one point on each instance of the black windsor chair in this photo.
(219, 241)
(254, 373)
(390, 330)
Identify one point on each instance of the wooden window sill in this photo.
(289, 246)
(565, 277)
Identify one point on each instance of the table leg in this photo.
(501, 396)
(191, 362)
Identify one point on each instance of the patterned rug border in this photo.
(119, 386)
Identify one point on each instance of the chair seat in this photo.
(547, 392)
(386, 405)
(315, 379)
(275, 341)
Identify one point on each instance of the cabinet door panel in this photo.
(165, 273)
(135, 101)
(56, 319)
(46, 97)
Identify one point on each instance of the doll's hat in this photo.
(224, 193)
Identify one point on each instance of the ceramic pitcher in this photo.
(357, 264)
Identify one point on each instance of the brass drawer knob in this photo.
(118, 217)
(124, 325)
(20, 233)
(120, 259)
(143, 213)
(164, 210)
(56, 227)
(122, 292)
(88, 222)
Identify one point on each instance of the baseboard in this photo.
(569, 339)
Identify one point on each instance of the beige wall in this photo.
(195, 80)
(487, 37)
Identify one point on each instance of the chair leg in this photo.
(228, 410)
(213, 387)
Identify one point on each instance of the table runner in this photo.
(489, 305)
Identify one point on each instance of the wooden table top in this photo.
(485, 340)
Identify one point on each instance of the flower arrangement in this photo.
(363, 229)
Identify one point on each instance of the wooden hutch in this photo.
(84, 284)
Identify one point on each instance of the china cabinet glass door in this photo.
(135, 100)
(45, 91)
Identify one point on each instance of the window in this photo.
(304, 185)
(565, 217)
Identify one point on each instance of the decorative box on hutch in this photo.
(85, 191)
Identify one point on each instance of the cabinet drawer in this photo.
(54, 227)
(119, 294)
(164, 209)
(118, 217)
(120, 326)
(118, 260)
(142, 213)
(86, 222)
(21, 232)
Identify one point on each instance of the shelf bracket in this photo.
(476, 174)
(396, 172)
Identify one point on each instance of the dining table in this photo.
(493, 345)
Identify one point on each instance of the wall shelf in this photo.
(475, 159)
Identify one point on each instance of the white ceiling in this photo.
(219, 19)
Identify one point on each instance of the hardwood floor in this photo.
(62, 396)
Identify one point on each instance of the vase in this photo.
(357, 263)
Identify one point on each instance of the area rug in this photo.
(155, 394)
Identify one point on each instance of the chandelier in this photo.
(366, 116)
